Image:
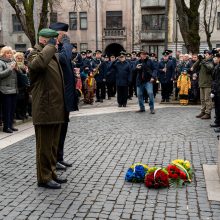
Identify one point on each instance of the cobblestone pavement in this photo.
(102, 147)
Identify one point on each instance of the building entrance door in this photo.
(114, 49)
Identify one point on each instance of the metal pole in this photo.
(176, 33)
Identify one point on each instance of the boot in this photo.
(206, 116)
(200, 115)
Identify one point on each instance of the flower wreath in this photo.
(177, 173)
(136, 173)
(157, 178)
(180, 172)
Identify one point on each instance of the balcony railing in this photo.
(153, 35)
(114, 32)
(153, 3)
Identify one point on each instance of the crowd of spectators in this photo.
(186, 77)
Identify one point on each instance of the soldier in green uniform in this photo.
(47, 90)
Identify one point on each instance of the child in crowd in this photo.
(90, 88)
(184, 85)
(194, 88)
(78, 81)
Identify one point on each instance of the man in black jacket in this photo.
(146, 74)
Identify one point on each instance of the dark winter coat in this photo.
(71, 97)
(146, 72)
(110, 75)
(216, 80)
(122, 73)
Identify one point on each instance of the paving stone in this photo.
(101, 155)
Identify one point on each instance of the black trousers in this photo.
(63, 132)
(217, 109)
(122, 95)
(165, 91)
(130, 90)
(110, 89)
(100, 90)
(8, 109)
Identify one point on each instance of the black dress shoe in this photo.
(60, 166)
(14, 129)
(119, 106)
(60, 180)
(7, 130)
(214, 125)
(217, 130)
(66, 164)
(50, 185)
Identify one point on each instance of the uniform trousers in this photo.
(100, 90)
(63, 132)
(47, 140)
(122, 95)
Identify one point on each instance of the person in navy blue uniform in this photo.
(166, 73)
(130, 87)
(100, 70)
(123, 78)
(76, 57)
(90, 60)
(173, 59)
(153, 57)
(70, 94)
(146, 75)
(134, 60)
(111, 78)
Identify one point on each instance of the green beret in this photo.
(48, 33)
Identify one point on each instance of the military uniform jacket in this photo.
(166, 77)
(123, 73)
(47, 87)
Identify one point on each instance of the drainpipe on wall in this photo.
(166, 24)
(96, 23)
(132, 25)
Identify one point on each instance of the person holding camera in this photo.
(146, 75)
(215, 92)
(48, 111)
(205, 63)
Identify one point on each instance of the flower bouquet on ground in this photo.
(136, 173)
(157, 178)
(180, 171)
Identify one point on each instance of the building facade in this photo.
(110, 25)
